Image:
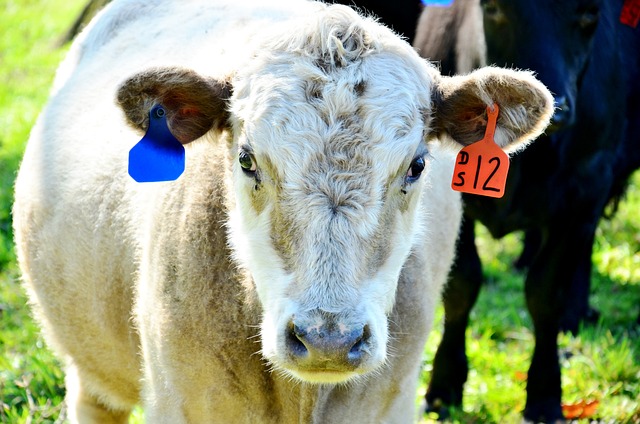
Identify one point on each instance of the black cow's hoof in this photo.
(546, 411)
(438, 407)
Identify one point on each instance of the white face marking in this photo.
(328, 218)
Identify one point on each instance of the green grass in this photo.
(602, 363)
(31, 388)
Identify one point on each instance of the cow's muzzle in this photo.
(324, 348)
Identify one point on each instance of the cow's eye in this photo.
(247, 163)
(588, 20)
(415, 170)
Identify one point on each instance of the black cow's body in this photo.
(558, 189)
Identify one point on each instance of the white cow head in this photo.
(332, 120)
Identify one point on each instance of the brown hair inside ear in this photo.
(193, 104)
(461, 115)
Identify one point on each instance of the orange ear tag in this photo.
(481, 168)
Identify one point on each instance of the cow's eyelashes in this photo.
(247, 162)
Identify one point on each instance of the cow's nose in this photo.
(563, 115)
(327, 346)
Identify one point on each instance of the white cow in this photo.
(290, 274)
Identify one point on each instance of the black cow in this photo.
(558, 189)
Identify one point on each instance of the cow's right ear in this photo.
(193, 104)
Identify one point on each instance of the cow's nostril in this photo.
(359, 348)
(561, 103)
(294, 341)
(562, 116)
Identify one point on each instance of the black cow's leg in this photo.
(544, 302)
(576, 307)
(450, 366)
(531, 245)
(548, 284)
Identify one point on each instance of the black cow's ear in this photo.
(193, 104)
(460, 105)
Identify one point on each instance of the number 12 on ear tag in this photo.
(482, 167)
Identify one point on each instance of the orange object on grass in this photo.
(520, 375)
(581, 409)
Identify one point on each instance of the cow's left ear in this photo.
(193, 103)
(460, 103)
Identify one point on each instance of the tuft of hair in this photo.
(336, 37)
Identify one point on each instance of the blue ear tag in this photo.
(443, 3)
(159, 156)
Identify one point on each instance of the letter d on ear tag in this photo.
(482, 167)
(159, 156)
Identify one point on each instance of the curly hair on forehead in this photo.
(339, 37)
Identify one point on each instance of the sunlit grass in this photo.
(31, 388)
(29, 34)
